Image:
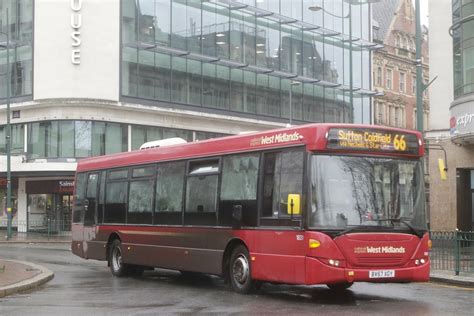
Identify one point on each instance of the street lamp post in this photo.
(8, 135)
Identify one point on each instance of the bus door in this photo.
(281, 244)
(90, 214)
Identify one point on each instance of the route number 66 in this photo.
(399, 143)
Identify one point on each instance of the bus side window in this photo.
(239, 187)
(283, 175)
(201, 192)
(91, 198)
(115, 210)
(101, 203)
(79, 197)
(169, 193)
(140, 196)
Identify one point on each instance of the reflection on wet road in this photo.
(86, 287)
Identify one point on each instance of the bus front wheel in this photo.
(239, 270)
(117, 267)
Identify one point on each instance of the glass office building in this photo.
(250, 57)
(20, 46)
(91, 78)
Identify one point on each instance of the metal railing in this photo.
(42, 227)
(452, 251)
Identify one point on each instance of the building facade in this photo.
(451, 134)
(90, 78)
(394, 66)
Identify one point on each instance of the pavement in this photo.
(17, 276)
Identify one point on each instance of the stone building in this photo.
(451, 133)
(393, 67)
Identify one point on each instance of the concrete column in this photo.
(22, 215)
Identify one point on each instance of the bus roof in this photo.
(313, 136)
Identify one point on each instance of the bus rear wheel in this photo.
(340, 286)
(117, 267)
(239, 270)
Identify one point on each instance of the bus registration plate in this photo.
(377, 274)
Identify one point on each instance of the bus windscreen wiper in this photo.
(401, 220)
(356, 227)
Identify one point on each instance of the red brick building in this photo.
(394, 71)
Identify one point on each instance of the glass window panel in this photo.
(222, 87)
(163, 77)
(178, 28)
(36, 145)
(143, 172)
(101, 204)
(129, 71)
(118, 174)
(98, 138)
(209, 90)
(52, 136)
(283, 175)
(239, 177)
(169, 187)
(273, 97)
(236, 90)
(116, 202)
(129, 30)
(140, 202)
(179, 82)
(162, 22)
(201, 194)
(194, 81)
(83, 138)
(92, 186)
(236, 32)
(249, 40)
(17, 137)
(203, 167)
(249, 92)
(146, 74)
(262, 94)
(66, 139)
(19, 73)
(138, 136)
(116, 138)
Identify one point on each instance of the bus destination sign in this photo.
(372, 140)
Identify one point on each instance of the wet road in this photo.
(86, 287)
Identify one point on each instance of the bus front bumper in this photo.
(318, 272)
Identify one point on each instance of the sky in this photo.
(424, 12)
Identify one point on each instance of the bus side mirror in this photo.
(237, 216)
(294, 204)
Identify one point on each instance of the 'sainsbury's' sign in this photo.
(76, 23)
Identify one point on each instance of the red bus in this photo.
(314, 204)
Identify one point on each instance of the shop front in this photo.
(49, 205)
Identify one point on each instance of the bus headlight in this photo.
(334, 262)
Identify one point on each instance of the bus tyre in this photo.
(239, 270)
(117, 267)
(340, 286)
